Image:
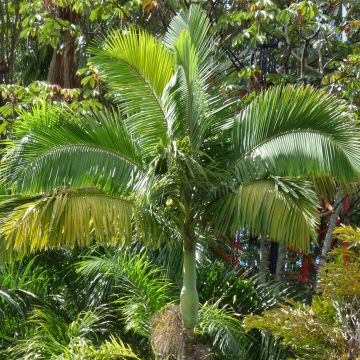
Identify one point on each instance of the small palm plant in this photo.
(53, 336)
(173, 162)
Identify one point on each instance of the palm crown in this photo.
(172, 160)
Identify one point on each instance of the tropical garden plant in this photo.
(101, 303)
(171, 162)
(329, 327)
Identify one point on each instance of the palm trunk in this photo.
(263, 259)
(280, 261)
(338, 205)
(189, 299)
(273, 257)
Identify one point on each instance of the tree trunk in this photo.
(62, 68)
(280, 261)
(4, 69)
(69, 61)
(54, 73)
(189, 299)
(338, 205)
(263, 259)
(273, 256)
(15, 30)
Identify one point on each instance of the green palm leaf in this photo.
(224, 329)
(54, 336)
(284, 209)
(62, 149)
(196, 24)
(298, 131)
(112, 349)
(141, 288)
(188, 103)
(137, 67)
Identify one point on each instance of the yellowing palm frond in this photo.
(67, 218)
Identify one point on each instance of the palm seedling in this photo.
(173, 162)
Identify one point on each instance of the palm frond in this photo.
(48, 337)
(283, 209)
(223, 328)
(112, 349)
(62, 149)
(141, 289)
(67, 218)
(188, 104)
(298, 131)
(9, 299)
(186, 98)
(329, 187)
(196, 24)
(137, 68)
(53, 336)
(20, 282)
(254, 295)
(146, 292)
(267, 348)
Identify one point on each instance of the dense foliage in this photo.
(328, 328)
(152, 148)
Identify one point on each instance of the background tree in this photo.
(172, 150)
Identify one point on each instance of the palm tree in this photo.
(173, 162)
